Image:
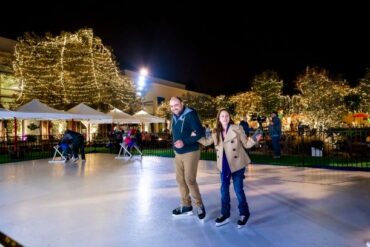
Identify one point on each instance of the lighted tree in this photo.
(127, 100)
(363, 89)
(8, 89)
(223, 101)
(269, 88)
(203, 104)
(164, 110)
(69, 69)
(296, 104)
(352, 102)
(245, 103)
(287, 104)
(322, 99)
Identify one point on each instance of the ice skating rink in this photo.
(110, 202)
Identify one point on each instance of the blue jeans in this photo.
(276, 145)
(238, 177)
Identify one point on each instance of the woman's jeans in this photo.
(237, 177)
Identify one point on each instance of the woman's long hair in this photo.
(219, 128)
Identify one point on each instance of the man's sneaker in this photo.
(201, 211)
(222, 220)
(182, 210)
(243, 220)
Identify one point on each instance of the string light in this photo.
(69, 69)
(322, 99)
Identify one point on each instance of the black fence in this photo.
(333, 148)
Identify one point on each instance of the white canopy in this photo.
(85, 112)
(6, 114)
(118, 116)
(37, 110)
(145, 117)
(122, 117)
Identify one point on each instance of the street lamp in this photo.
(144, 72)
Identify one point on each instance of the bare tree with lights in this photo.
(269, 88)
(203, 104)
(245, 103)
(68, 69)
(322, 99)
(164, 110)
(363, 90)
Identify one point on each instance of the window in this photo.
(160, 100)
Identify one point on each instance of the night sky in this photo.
(213, 49)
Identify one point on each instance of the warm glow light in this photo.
(144, 72)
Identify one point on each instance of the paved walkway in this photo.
(108, 202)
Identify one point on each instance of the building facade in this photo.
(9, 85)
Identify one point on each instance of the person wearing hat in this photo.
(275, 134)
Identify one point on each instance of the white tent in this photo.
(84, 112)
(6, 114)
(145, 117)
(118, 116)
(37, 110)
(122, 117)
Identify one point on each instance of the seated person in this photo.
(65, 149)
(118, 137)
(77, 142)
(138, 139)
(130, 139)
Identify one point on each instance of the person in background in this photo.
(245, 125)
(230, 142)
(275, 134)
(77, 144)
(130, 138)
(207, 131)
(185, 120)
(118, 137)
(65, 148)
(138, 139)
(300, 128)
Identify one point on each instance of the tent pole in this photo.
(15, 134)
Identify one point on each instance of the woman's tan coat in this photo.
(234, 144)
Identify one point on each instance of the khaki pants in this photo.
(186, 177)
